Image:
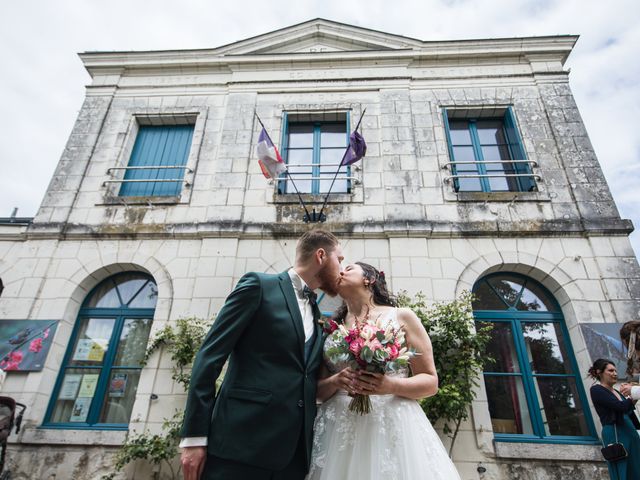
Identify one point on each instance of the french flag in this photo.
(269, 158)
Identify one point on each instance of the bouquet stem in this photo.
(360, 404)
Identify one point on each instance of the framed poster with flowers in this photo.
(24, 344)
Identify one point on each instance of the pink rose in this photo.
(356, 346)
(375, 344)
(36, 345)
(393, 351)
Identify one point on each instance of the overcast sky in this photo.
(42, 81)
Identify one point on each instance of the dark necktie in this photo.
(312, 297)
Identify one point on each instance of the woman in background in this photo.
(613, 409)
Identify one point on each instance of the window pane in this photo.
(304, 186)
(300, 136)
(121, 393)
(92, 342)
(464, 154)
(146, 298)
(507, 286)
(304, 158)
(330, 158)
(469, 185)
(508, 405)
(340, 186)
(562, 412)
(535, 298)
(486, 298)
(133, 342)
(499, 184)
(75, 395)
(546, 350)
(490, 132)
(333, 135)
(105, 296)
(495, 152)
(129, 284)
(459, 133)
(502, 349)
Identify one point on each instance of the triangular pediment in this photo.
(319, 36)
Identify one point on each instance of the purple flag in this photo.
(357, 149)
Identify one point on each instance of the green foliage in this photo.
(459, 355)
(183, 341)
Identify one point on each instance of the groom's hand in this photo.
(193, 459)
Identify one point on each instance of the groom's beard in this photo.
(328, 281)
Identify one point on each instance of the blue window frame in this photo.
(158, 161)
(486, 153)
(97, 383)
(534, 389)
(313, 150)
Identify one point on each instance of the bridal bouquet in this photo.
(370, 347)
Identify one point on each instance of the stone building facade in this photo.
(540, 216)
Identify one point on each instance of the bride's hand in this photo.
(345, 380)
(369, 383)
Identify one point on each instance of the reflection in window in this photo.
(99, 378)
(313, 148)
(487, 154)
(533, 386)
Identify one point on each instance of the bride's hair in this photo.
(378, 287)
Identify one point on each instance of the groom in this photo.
(259, 425)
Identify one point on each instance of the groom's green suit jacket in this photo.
(267, 398)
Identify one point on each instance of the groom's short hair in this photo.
(314, 239)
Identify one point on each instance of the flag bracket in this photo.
(314, 217)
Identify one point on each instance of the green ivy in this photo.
(182, 340)
(459, 352)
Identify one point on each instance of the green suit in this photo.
(266, 403)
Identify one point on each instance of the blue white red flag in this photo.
(356, 150)
(269, 158)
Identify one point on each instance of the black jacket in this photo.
(609, 408)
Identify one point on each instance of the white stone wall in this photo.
(593, 279)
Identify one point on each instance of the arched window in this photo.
(533, 386)
(98, 381)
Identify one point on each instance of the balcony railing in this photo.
(453, 177)
(149, 180)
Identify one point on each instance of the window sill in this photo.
(497, 197)
(547, 451)
(150, 200)
(313, 199)
(54, 436)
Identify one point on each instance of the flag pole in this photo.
(326, 198)
(307, 216)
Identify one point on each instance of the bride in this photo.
(395, 441)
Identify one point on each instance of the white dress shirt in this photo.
(307, 321)
(635, 393)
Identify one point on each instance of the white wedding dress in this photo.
(395, 441)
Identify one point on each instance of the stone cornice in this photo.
(553, 49)
(423, 229)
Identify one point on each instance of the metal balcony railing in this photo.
(450, 165)
(149, 180)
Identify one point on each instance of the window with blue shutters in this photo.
(312, 148)
(158, 161)
(98, 381)
(534, 388)
(486, 153)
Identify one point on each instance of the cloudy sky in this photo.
(42, 81)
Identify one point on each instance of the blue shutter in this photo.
(158, 146)
(516, 147)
